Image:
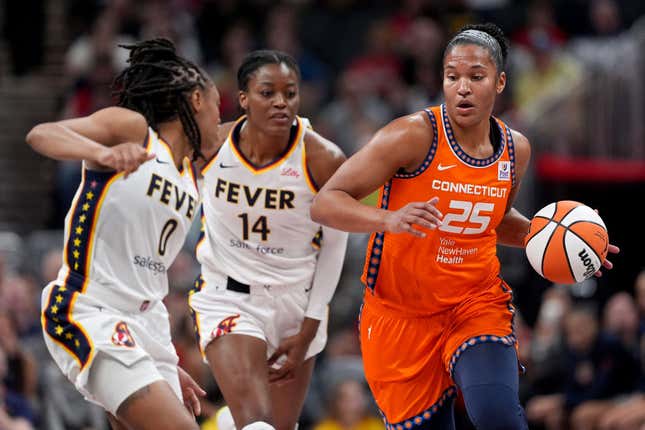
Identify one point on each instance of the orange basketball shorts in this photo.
(409, 359)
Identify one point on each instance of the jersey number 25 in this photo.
(468, 213)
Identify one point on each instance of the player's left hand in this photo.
(611, 249)
(190, 390)
(294, 348)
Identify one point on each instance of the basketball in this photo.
(567, 242)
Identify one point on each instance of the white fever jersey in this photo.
(257, 227)
(122, 234)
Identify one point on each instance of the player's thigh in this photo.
(288, 398)
(403, 366)
(136, 391)
(155, 407)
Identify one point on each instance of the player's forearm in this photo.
(339, 210)
(328, 269)
(61, 143)
(513, 228)
(309, 328)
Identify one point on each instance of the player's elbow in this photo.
(321, 208)
(317, 211)
(36, 135)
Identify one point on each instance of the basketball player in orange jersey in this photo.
(103, 318)
(267, 270)
(436, 313)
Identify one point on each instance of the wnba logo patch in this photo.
(225, 326)
(122, 336)
(504, 171)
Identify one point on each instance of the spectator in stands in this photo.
(15, 369)
(348, 408)
(639, 288)
(621, 321)
(598, 367)
(22, 377)
(281, 33)
(421, 46)
(605, 18)
(354, 115)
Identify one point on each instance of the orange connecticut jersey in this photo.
(457, 260)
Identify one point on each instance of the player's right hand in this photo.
(125, 157)
(404, 220)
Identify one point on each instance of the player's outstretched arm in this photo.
(109, 138)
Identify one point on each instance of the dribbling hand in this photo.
(611, 249)
(125, 157)
(423, 214)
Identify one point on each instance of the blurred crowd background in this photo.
(575, 89)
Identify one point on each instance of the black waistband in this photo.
(233, 285)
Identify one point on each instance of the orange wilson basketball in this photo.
(567, 242)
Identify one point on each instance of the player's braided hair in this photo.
(156, 84)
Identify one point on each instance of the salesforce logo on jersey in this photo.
(157, 267)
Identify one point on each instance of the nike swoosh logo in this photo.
(161, 161)
(442, 168)
(227, 166)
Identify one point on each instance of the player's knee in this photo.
(494, 408)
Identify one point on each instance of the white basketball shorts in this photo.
(221, 306)
(80, 331)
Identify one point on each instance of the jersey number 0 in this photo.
(167, 229)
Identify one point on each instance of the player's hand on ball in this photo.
(611, 249)
(423, 214)
(190, 390)
(125, 157)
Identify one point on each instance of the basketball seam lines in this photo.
(559, 223)
(591, 248)
(546, 245)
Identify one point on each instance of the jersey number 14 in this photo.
(260, 226)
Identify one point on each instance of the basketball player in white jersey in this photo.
(268, 270)
(103, 318)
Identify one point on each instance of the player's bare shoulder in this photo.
(406, 139)
(323, 156)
